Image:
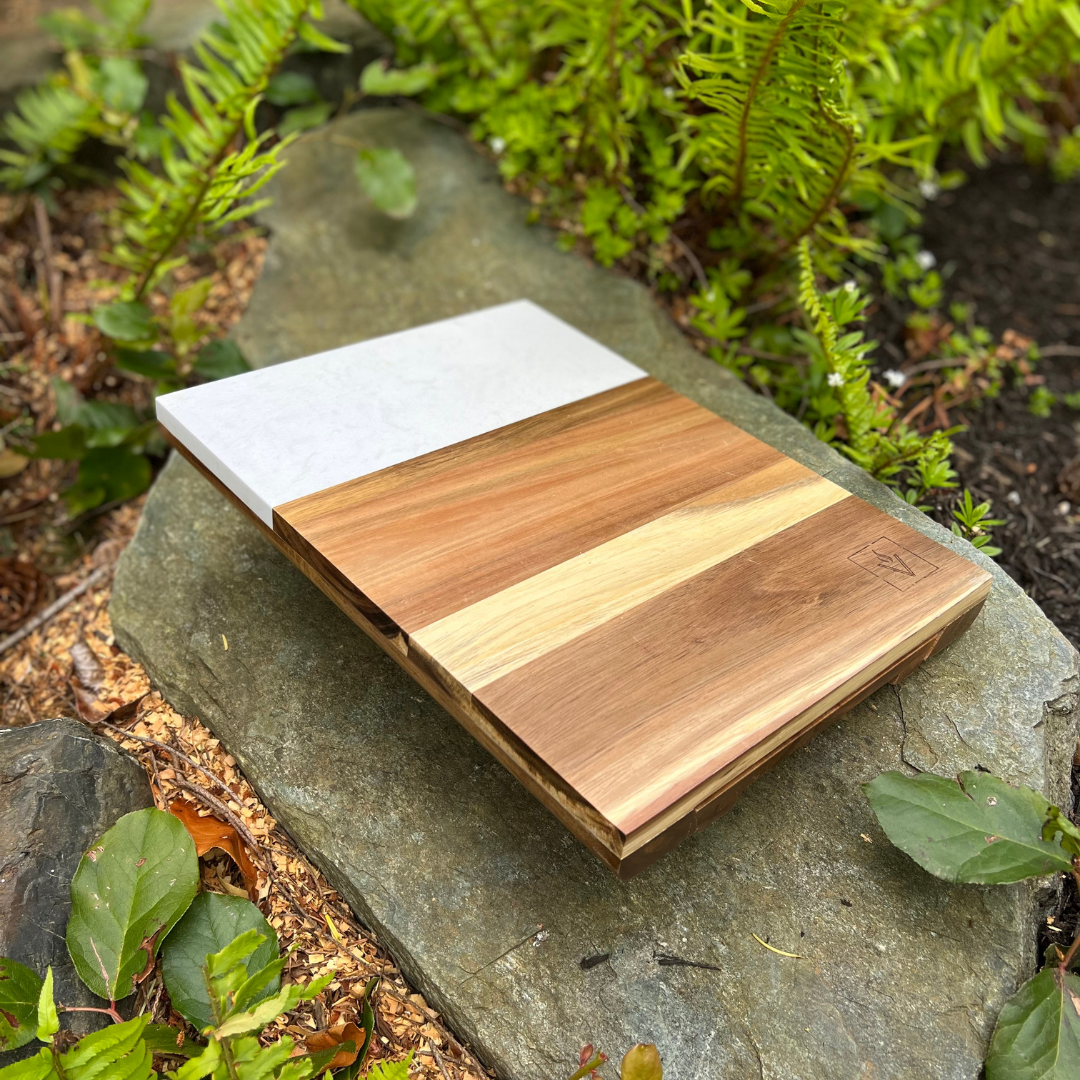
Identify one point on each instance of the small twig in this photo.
(1060, 350)
(39, 620)
(438, 1058)
(172, 751)
(53, 277)
(692, 259)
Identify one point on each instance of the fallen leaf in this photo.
(86, 703)
(211, 832)
(335, 1036)
(11, 463)
(87, 666)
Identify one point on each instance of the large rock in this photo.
(486, 901)
(60, 788)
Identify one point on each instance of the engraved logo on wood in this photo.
(886, 559)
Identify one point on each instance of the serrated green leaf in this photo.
(20, 991)
(38, 1067)
(979, 830)
(388, 180)
(130, 889)
(48, 1020)
(1037, 1036)
(320, 42)
(211, 923)
(391, 1070)
(114, 1053)
(112, 474)
(220, 359)
(382, 81)
(125, 320)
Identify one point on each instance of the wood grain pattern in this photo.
(633, 604)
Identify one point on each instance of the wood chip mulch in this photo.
(72, 667)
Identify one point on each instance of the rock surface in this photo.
(485, 900)
(60, 788)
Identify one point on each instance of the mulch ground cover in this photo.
(1013, 240)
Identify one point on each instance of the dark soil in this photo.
(1013, 239)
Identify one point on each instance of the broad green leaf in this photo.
(113, 474)
(114, 1053)
(38, 1067)
(150, 363)
(107, 423)
(68, 401)
(388, 180)
(125, 320)
(382, 81)
(291, 88)
(211, 923)
(20, 990)
(67, 444)
(304, 118)
(642, 1062)
(320, 1059)
(1038, 1032)
(220, 359)
(129, 890)
(48, 1021)
(122, 84)
(979, 829)
(251, 989)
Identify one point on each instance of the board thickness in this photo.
(633, 604)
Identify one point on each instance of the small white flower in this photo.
(850, 286)
(894, 377)
(927, 260)
(668, 92)
(1013, 498)
(928, 189)
(835, 379)
(497, 144)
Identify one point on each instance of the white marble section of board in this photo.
(281, 432)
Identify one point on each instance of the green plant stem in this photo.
(474, 14)
(755, 83)
(588, 1067)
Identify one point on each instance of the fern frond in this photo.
(48, 125)
(212, 160)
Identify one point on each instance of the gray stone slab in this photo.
(486, 901)
(60, 788)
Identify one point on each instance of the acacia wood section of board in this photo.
(635, 604)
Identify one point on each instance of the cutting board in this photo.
(631, 603)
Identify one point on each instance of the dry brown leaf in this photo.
(335, 1036)
(210, 832)
(87, 666)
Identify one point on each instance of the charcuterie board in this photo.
(633, 604)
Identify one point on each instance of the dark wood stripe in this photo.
(427, 538)
(642, 710)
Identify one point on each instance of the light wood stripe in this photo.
(503, 632)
